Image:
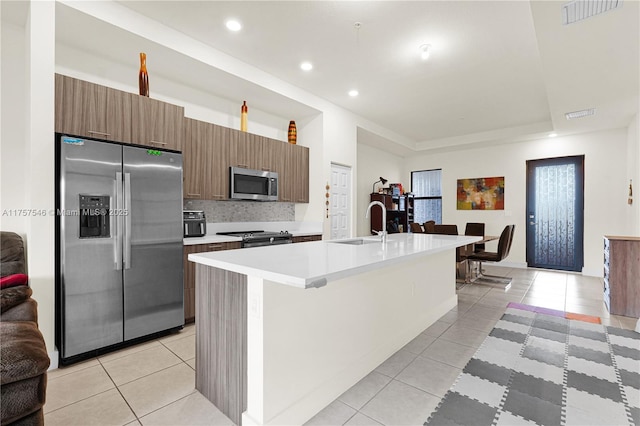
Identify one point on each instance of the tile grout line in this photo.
(120, 392)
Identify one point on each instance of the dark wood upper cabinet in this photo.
(87, 109)
(156, 123)
(92, 110)
(217, 162)
(196, 135)
(301, 174)
(245, 150)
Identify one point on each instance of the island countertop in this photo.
(313, 264)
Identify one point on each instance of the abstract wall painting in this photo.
(481, 193)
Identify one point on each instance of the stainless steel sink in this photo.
(356, 242)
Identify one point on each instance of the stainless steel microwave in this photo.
(247, 184)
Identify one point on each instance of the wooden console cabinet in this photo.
(622, 275)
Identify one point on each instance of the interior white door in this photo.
(340, 207)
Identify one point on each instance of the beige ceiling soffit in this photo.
(374, 140)
(371, 130)
(512, 133)
(578, 10)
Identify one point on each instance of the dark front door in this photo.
(555, 213)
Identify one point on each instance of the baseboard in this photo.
(53, 357)
(520, 265)
(593, 272)
(590, 272)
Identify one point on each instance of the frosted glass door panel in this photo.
(554, 213)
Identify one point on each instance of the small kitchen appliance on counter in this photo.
(194, 223)
(261, 238)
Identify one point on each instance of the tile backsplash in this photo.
(243, 211)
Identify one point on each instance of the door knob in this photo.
(532, 223)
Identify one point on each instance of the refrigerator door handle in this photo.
(119, 221)
(127, 220)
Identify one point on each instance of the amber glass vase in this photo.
(243, 116)
(143, 77)
(293, 133)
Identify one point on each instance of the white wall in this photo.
(13, 148)
(633, 174)
(27, 150)
(605, 196)
(374, 163)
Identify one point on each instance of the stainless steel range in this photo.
(261, 238)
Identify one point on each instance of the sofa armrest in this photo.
(13, 296)
(11, 254)
(26, 311)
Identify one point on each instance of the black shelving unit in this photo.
(399, 211)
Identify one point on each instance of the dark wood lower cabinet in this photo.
(190, 274)
(307, 238)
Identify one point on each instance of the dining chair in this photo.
(428, 226)
(416, 228)
(445, 229)
(460, 256)
(475, 229)
(504, 246)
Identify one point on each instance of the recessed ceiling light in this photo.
(306, 66)
(553, 135)
(580, 114)
(233, 25)
(425, 50)
(353, 93)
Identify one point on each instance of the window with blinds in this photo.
(426, 186)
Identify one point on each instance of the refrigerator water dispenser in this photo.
(94, 216)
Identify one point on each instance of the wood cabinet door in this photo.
(272, 155)
(245, 150)
(80, 108)
(217, 162)
(190, 281)
(286, 176)
(118, 115)
(197, 135)
(301, 171)
(156, 123)
(60, 102)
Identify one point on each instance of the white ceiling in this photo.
(502, 70)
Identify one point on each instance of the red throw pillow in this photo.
(13, 280)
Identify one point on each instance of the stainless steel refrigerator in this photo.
(119, 244)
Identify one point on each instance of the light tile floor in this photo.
(154, 383)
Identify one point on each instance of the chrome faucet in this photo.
(383, 233)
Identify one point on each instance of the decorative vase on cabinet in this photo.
(293, 133)
(243, 116)
(143, 76)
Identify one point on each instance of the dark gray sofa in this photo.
(23, 354)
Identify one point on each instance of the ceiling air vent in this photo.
(577, 10)
(580, 114)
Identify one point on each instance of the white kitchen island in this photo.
(281, 331)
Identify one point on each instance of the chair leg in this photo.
(491, 280)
